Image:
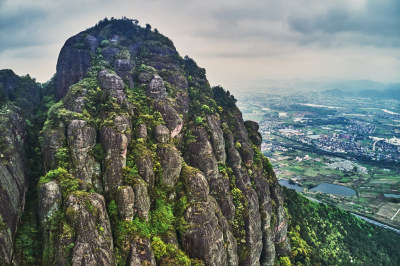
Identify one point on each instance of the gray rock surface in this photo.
(200, 154)
(263, 192)
(115, 141)
(156, 89)
(141, 253)
(142, 131)
(93, 241)
(145, 168)
(53, 139)
(217, 137)
(91, 42)
(13, 180)
(81, 141)
(195, 184)
(142, 200)
(109, 53)
(161, 134)
(109, 81)
(203, 237)
(171, 117)
(125, 201)
(171, 163)
(50, 200)
(72, 65)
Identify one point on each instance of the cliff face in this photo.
(14, 167)
(146, 164)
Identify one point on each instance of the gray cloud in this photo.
(371, 22)
(233, 39)
(378, 23)
(18, 27)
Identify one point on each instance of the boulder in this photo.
(145, 168)
(142, 199)
(195, 184)
(141, 131)
(125, 200)
(161, 134)
(110, 81)
(156, 89)
(122, 65)
(171, 117)
(171, 163)
(91, 42)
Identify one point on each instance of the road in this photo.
(376, 223)
(395, 214)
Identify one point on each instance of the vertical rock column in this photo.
(81, 141)
(115, 141)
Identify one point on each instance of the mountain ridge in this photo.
(143, 163)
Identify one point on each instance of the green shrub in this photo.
(124, 54)
(98, 152)
(238, 145)
(161, 218)
(198, 120)
(104, 43)
(159, 247)
(67, 182)
(63, 157)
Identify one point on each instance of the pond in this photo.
(285, 183)
(335, 189)
(388, 195)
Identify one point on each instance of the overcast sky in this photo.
(239, 43)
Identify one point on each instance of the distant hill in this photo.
(391, 91)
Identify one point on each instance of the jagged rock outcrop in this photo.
(141, 253)
(141, 146)
(205, 239)
(161, 134)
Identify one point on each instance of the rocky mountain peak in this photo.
(145, 163)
